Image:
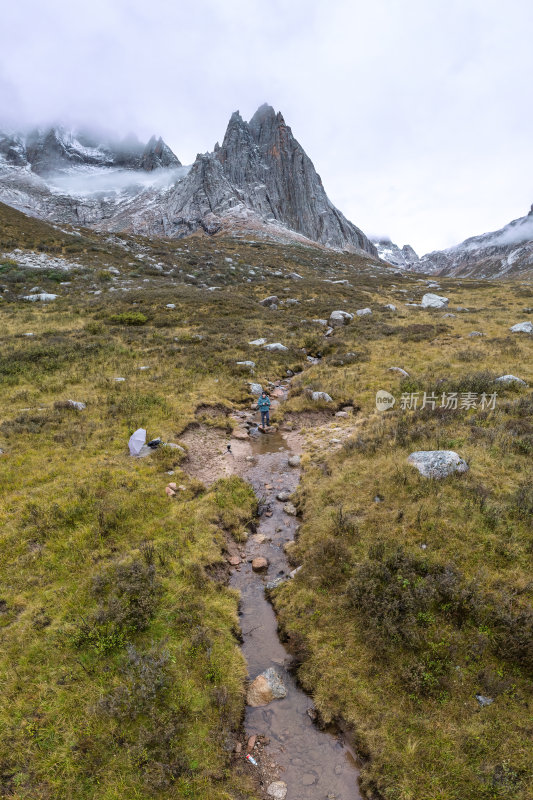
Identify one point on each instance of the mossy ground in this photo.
(121, 671)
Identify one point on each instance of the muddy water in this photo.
(315, 765)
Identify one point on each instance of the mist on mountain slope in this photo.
(89, 181)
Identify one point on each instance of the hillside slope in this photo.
(120, 665)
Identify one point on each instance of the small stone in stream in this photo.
(309, 779)
(294, 461)
(283, 496)
(251, 743)
(240, 435)
(289, 508)
(234, 561)
(268, 513)
(259, 564)
(275, 583)
(266, 687)
(258, 538)
(277, 790)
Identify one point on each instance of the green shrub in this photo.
(129, 318)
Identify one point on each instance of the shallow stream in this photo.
(314, 764)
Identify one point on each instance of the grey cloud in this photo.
(415, 114)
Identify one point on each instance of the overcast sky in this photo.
(418, 114)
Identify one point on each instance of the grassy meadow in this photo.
(119, 659)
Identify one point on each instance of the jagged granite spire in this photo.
(264, 160)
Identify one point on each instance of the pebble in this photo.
(277, 790)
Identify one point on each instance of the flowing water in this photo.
(314, 764)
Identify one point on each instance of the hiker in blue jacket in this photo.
(263, 404)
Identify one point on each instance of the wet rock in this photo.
(283, 496)
(294, 461)
(290, 509)
(522, 327)
(309, 779)
(339, 318)
(363, 312)
(266, 687)
(259, 564)
(437, 463)
(430, 300)
(277, 790)
(251, 743)
(234, 561)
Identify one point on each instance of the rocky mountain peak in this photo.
(158, 155)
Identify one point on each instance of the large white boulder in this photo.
(275, 347)
(363, 312)
(522, 327)
(43, 297)
(510, 379)
(431, 300)
(316, 396)
(437, 463)
(339, 318)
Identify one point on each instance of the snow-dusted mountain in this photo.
(499, 254)
(504, 253)
(47, 151)
(259, 180)
(402, 257)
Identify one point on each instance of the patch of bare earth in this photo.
(208, 456)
